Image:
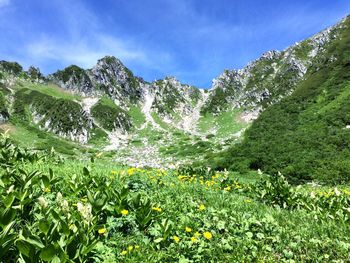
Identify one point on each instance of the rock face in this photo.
(112, 77)
(73, 78)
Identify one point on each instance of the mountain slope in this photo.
(305, 135)
(273, 76)
(107, 108)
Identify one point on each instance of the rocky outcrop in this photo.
(73, 78)
(116, 80)
(271, 77)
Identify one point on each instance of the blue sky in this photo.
(193, 40)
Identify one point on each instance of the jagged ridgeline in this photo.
(107, 108)
(305, 135)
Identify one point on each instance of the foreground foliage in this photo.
(64, 211)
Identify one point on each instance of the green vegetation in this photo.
(63, 115)
(11, 67)
(110, 116)
(55, 210)
(48, 89)
(3, 106)
(138, 118)
(303, 49)
(69, 72)
(305, 136)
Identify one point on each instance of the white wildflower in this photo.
(85, 211)
(11, 189)
(337, 192)
(42, 202)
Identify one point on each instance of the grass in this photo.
(49, 89)
(173, 216)
(138, 118)
(34, 138)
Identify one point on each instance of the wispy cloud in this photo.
(83, 53)
(4, 3)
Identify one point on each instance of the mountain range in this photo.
(165, 122)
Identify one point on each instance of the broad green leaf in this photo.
(23, 247)
(48, 253)
(44, 226)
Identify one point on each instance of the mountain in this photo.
(107, 108)
(305, 135)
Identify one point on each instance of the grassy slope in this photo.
(304, 135)
(243, 229)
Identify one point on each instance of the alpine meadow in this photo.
(98, 164)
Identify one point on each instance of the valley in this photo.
(100, 165)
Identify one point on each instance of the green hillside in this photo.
(305, 136)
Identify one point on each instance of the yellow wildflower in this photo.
(157, 209)
(114, 172)
(131, 171)
(124, 212)
(188, 229)
(101, 231)
(137, 247)
(201, 207)
(124, 252)
(130, 248)
(207, 235)
(228, 188)
(248, 201)
(193, 239)
(176, 239)
(47, 190)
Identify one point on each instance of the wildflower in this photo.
(124, 252)
(47, 190)
(227, 189)
(137, 247)
(131, 171)
(313, 195)
(337, 192)
(207, 235)
(176, 239)
(11, 189)
(188, 229)
(130, 248)
(201, 207)
(157, 209)
(65, 206)
(193, 239)
(102, 231)
(59, 197)
(85, 211)
(197, 234)
(124, 212)
(114, 172)
(42, 202)
(248, 201)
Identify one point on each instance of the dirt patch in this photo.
(248, 116)
(7, 127)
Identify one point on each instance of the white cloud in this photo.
(4, 3)
(86, 52)
(79, 52)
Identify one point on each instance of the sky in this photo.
(192, 40)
